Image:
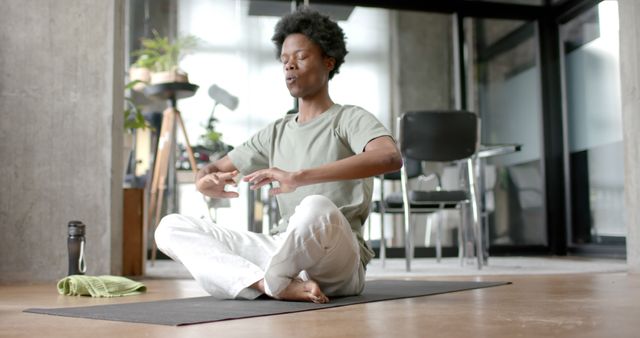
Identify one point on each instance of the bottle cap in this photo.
(76, 228)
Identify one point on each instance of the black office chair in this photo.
(440, 136)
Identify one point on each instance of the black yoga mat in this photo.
(187, 311)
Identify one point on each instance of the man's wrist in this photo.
(206, 170)
(301, 177)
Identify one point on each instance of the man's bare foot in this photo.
(298, 290)
(303, 291)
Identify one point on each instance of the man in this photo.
(320, 161)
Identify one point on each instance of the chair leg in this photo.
(438, 238)
(427, 235)
(460, 244)
(462, 234)
(383, 241)
(408, 242)
(475, 213)
(408, 238)
(485, 240)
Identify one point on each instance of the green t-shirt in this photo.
(339, 132)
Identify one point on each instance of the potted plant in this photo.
(161, 58)
(211, 140)
(140, 72)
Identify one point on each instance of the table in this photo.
(490, 150)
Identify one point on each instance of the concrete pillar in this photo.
(630, 87)
(61, 88)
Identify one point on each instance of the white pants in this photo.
(317, 245)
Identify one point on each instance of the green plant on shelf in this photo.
(158, 54)
(212, 140)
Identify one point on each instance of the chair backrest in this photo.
(438, 136)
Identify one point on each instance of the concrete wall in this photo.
(423, 61)
(61, 85)
(630, 78)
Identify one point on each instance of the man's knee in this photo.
(317, 210)
(165, 229)
(318, 206)
(318, 203)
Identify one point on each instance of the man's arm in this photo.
(212, 179)
(380, 156)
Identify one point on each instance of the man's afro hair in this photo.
(317, 27)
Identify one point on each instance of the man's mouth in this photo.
(290, 79)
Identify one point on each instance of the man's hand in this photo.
(213, 184)
(286, 180)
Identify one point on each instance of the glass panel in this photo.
(504, 90)
(594, 126)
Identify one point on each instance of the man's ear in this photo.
(329, 62)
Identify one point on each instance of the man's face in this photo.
(306, 69)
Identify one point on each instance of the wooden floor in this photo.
(585, 305)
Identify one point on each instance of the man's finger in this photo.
(230, 181)
(275, 191)
(219, 177)
(259, 184)
(212, 178)
(257, 177)
(230, 174)
(230, 194)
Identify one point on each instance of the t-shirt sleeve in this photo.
(253, 154)
(358, 127)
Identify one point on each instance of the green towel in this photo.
(99, 286)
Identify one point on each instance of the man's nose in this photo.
(289, 65)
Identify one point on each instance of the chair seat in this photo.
(423, 201)
(440, 196)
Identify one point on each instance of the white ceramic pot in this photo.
(169, 76)
(141, 74)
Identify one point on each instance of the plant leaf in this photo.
(132, 84)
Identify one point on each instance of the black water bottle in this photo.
(75, 244)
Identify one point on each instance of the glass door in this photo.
(593, 125)
(503, 86)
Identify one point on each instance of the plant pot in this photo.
(169, 76)
(140, 74)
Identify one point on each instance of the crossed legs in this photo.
(318, 255)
